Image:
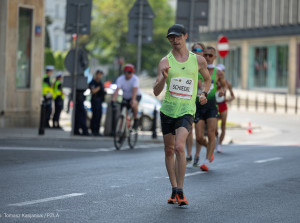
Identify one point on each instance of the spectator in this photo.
(98, 93)
(58, 97)
(47, 94)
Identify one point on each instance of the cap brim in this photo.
(174, 33)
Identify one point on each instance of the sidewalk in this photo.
(236, 131)
(65, 134)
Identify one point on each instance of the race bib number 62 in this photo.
(181, 87)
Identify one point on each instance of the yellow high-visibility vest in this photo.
(46, 87)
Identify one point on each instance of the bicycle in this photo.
(124, 128)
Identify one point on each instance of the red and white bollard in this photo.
(249, 128)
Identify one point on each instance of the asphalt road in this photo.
(247, 183)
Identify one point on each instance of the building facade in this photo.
(264, 39)
(56, 11)
(21, 62)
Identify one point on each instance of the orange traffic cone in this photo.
(249, 128)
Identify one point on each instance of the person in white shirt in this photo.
(129, 83)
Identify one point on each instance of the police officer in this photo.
(98, 93)
(47, 94)
(58, 97)
(80, 115)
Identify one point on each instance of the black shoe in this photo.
(86, 134)
(135, 124)
(189, 160)
(96, 134)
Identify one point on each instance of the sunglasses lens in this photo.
(197, 50)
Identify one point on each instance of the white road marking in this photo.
(195, 173)
(47, 199)
(192, 174)
(268, 160)
(108, 149)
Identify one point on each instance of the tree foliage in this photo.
(49, 57)
(59, 60)
(109, 31)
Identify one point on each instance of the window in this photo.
(24, 48)
(260, 66)
(282, 66)
(269, 67)
(233, 67)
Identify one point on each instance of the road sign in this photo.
(223, 46)
(192, 14)
(82, 61)
(78, 12)
(81, 82)
(146, 20)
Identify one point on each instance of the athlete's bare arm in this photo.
(162, 75)
(133, 99)
(202, 65)
(229, 86)
(202, 68)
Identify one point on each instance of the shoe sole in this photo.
(182, 203)
(172, 202)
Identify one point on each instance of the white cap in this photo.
(50, 67)
(59, 74)
(221, 67)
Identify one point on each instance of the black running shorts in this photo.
(169, 125)
(203, 112)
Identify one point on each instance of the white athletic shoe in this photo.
(219, 148)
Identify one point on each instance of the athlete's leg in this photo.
(199, 131)
(180, 163)
(189, 142)
(211, 130)
(198, 149)
(134, 108)
(223, 126)
(169, 141)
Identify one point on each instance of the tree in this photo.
(49, 57)
(109, 31)
(59, 60)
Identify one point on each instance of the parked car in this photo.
(146, 108)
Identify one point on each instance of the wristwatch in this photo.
(203, 92)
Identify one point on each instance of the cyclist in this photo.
(129, 83)
(179, 70)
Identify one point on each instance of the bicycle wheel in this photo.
(132, 138)
(119, 136)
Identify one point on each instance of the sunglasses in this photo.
(173, 37)
(209, 55)
(197, 50)
(128, 72)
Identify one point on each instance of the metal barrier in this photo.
(280, 103)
